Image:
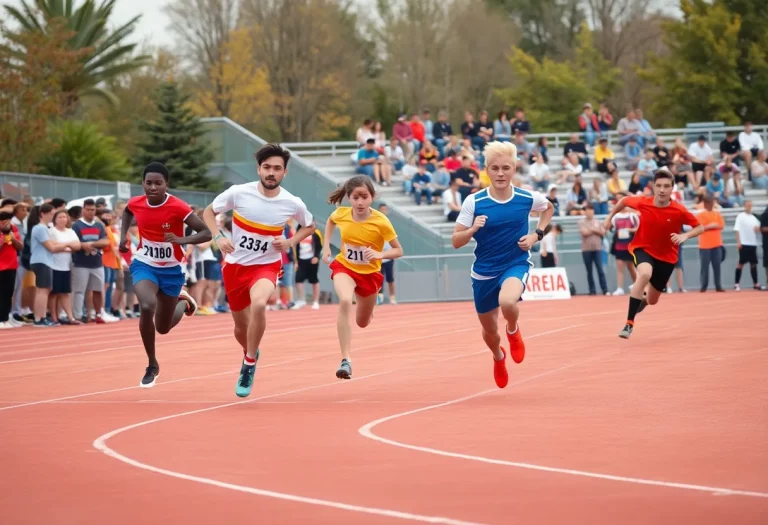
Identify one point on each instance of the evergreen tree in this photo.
(175, 137)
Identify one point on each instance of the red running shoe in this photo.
(500, 371)
(516, 345)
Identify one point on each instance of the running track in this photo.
(668, 427)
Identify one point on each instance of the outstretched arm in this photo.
(329, 227)
(126, 224)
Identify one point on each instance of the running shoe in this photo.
(245, 382)
(148, 381)
(191, 304)
(345, 370)
(626, 332)
(500, 374)
(516, 345)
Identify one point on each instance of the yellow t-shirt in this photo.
(355, 236)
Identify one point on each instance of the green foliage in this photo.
(82, 151)
(553, 93)
(107, 56)
(698, 80)
(175, 137)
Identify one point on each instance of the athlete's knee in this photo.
(363, 322)
(162, 329)
(259, 304)
(147, 307)
(345, 303)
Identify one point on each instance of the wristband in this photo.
(217, 237)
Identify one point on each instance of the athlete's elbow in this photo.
(456, 241)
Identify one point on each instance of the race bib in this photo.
(158, 252)
(253, 242)
(623, 234)
(355, 254)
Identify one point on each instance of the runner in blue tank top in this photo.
(497, 218)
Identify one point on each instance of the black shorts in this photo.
(548, 260)
(388, 270)
(62, 282)
(695, 166)
(623, 255)
(748, 254)
(662, 270)
(43, 275)
(307, 271)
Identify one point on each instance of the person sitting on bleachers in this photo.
(570, 170)
(368, 160)
(634, 152)
(468, 176)
(394, 155)
(604, 156)
(576, 200)
(422, 184)
(617, 188)
(452, 201)
(759, 170)
(540, 174)
(576, 150)
(552, 197)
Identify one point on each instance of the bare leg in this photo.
(344, 286)
(260, 293)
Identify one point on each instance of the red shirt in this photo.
(154, 222)
(656, 227)
(9, 257)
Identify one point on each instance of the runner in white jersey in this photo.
(253, 258)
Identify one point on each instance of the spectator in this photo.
(649, 136)
(441, 180)
(468, 177)
(520, 123)
(452, 161)
(470, 130)
(422, 185)
(759, 171)
(540, 173)
(403, 133)
(429, 156)
(409, 171)
(429, 126)
(647, 166)
(88, 269)
(624, 225)
(592, 233)
(634, 151)
(604, 118)
(661, 154)
(576, 200)
(715, 188)
(452, 201)
(19, 220)
(576, 151)
(750, 144)
(635, 185)
(710, 244)
(552, 197)
(61, 291)
(588, 124)
(395, 159)
(734, 188)
(541, 148)
(747, 228)
(730, 149)
(570, 171)
(549, 255)
(598, 197)
(502, 127)
(630, 128)
(764, 230)
(419, 133)
(368, 160)
(524, 151)
(10, 247)
(364, 133)
(604, 156)
(442, 131)
(113, 271)
(308, 263)
(702, 160)
(380, 136)
(485, 128)
(41, 263)
(617, 188)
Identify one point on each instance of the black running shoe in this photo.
(626, 332)
(345, 370)
(148, 381)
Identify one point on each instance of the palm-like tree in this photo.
(105, 53)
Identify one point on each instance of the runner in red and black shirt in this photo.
(655, 247)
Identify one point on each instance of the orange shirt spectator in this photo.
(711, 238)
(108, 257)
(418, 129)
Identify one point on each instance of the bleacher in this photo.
(334, 159)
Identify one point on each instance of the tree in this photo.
(105, 54)
(30, 93)
(82, 151)
(698, 80)
(313, 60)
(175, 137)
(553, 93)
(237, 87)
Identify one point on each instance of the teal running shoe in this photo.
(245, 382)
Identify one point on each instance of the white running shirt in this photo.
(258, 220)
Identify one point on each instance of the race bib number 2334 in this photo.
(254, 243)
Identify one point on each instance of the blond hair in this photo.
(498, 149)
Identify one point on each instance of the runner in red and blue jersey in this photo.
(156, 266)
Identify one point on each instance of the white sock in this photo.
(502, 355)
(513, 331)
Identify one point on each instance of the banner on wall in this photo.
(547, 283)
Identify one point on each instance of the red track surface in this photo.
(668, 427)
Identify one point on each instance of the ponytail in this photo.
(346, 189)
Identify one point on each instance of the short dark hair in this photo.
(75, 212)
(272, 150)
(8, 202)
(156, 167)
(89, 202)
(58, 202)
(45, 208)
(663, 174)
